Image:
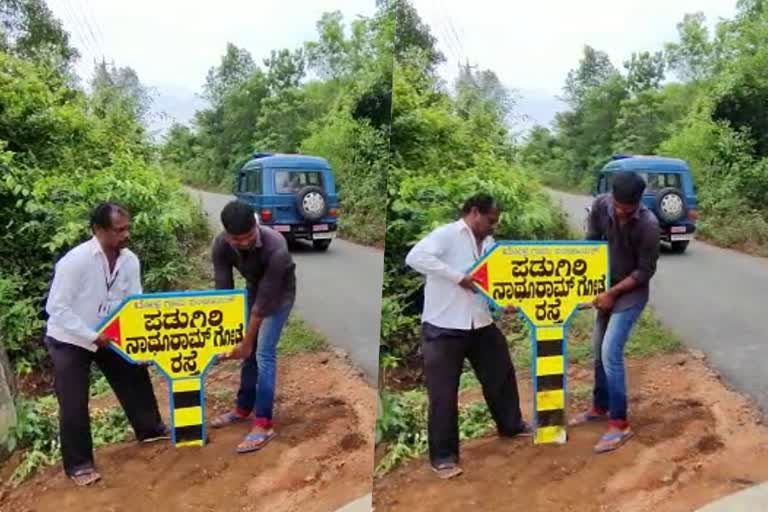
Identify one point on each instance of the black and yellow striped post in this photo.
(187, 409)
(549, 367)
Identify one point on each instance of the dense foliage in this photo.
(329, 98)
(62, 150)
(702, 99)
(445, 147)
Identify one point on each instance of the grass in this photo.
(403, 423)
(37, 432)
(298, 338)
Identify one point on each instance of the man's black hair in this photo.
(238, 218)
(101, 215)
(628, 187)
(482, 201)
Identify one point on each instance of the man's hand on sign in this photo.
(604, 301)
(241, 351)
(102, 341)
(467, 283)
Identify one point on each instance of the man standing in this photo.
(89, 282)
(261, 256)
(457, 324)
(632, 232)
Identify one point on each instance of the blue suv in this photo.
(292, 194)
(670, 193)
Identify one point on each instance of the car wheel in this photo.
(312, 203)
(321, 245)
(670, 205)
(679, 247)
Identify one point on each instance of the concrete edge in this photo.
(363, 504)
(752, 499)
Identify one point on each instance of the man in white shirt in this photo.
(89, 282)
(457, 324)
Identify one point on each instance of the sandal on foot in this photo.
(85, 477)
(586, 417)
(526, 430)
(159, 436)
(612, 440)
(254, 441)
(227, 418)
(447, 470)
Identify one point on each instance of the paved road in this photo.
(338, 292)
(714, 299)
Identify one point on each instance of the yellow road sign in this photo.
(182, 333)
(547, 281)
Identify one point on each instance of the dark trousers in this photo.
(72, 373)
(444, 352)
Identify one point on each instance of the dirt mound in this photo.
(694, 442)
(320, 460)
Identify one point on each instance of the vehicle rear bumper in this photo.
(678, 232)
(318, 231)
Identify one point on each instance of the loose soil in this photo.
(695, 441)
(320, 460)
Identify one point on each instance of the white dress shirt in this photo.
(84, 292)
(445, 256)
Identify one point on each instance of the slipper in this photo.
(587, 417)
(254, 441)
(525, 431)
(163, 434)
(227, 418)
(612, 440)
(447, 470)
(85, 477)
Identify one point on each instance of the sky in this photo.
(531, 45)
(172, 43)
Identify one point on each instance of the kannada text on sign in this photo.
(546, 281)
(181, 334)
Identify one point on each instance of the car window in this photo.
(251, 182)
(291, 181)
(656, 181)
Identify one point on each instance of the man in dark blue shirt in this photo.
(632, 233)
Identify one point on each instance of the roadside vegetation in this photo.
(701, 99)
(330, 97)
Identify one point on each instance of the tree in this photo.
(29, 30)
(235, 67)
(691, 58)
(595, 68)
(412, 33)
(328, 56)
(644, 71)
(285, 69)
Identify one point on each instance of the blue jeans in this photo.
(258, 372)
(611, 333)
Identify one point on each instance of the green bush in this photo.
(59, 157)
(37, 433)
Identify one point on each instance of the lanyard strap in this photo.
(108, 284)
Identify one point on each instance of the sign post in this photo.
(547, 281)
(182, 333)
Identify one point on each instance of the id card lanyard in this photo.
(105, 306)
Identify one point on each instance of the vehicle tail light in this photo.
(333, 212)
(693, 214)
(266, 215)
